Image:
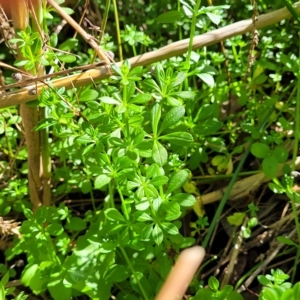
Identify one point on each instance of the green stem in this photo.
(295, 213)
(118, 30)
(179, 27)
(295, 153)
(192, 33)
(111, 201)
(126, 116)
(134, 273)
(230, 186)
(104, 21)
(123, 203)
(103, 26)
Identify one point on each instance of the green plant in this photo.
(276, 287)
(213, 292)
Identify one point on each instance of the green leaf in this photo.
(146, 232)
(281, 154)
(173, 116)
(116, 69)
(14, 120)
(115, 141)
(213, 283)
(143, 217)
(29, 65)
(152, 171)
(28, 274)
(53, 40)
(169, 228)
(216, 144)
(109, 100)
(177, 180)
(116, 273)
(58, 290)
(69, 44)
(233, 295)
(207, 78)
(155, 117)
(205, 112)
(143, 204)
(88, 150)
(20, 63)
(88, 95)
(277, 189)
(113, 215)
(67, 58)
(84, 139)
(41, 214)
(208, 127)
(159, 180)
(286, 241)
(45, 123)
(296, 290)
(178, 138)
(159, 154)
(169, 17)
(4, 280)
(85, 186)
(157, 234)
(2, 291)
(185, 200)
(141, 98)
(76, 224)
(178, 80)
(184, 95)
(236, 219)
(55, 229)
(204, 293)
(264, 280)
(270, 166)
(101, 181)
(260, 150)
(172, 211)
(214, 18)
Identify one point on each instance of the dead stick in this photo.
(87, 37)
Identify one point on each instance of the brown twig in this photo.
(264, 264)
(87, 37)
(32, 80)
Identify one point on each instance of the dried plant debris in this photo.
(9, 227)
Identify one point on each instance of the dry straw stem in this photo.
(87, 37)
(245, 186)
(174, 49)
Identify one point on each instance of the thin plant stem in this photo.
(134, 273)
(126, 116)
(295, 13)
(103, 26)
(192, 33)
(295, 152)
(126, 213)
(118, 30)
(230, 186)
